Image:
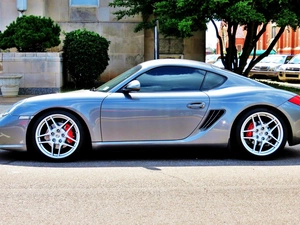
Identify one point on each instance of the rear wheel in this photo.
(57, 135)
(260, 133)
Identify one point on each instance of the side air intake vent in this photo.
(211, 118)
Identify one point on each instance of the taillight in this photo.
(295, 100)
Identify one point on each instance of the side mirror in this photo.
(132, 86)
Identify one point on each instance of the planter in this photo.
(10, 85)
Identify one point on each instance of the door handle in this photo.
(196, 105)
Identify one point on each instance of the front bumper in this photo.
(289, 76)
(258, 73)
(13, 132)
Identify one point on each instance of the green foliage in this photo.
(31, 34)
(131, 8)
(281, 86)
(183, 17)
(85, 56)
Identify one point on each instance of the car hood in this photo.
(80, 94)
(290, 65)
(71, 100)
(267, 64)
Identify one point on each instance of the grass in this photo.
(282, 87)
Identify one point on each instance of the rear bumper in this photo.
(291, 112)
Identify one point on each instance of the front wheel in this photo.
(261, 133)
(57, 135)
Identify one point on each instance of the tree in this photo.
(131, 8)
(85, 56)
(31, 34)
(183, 17)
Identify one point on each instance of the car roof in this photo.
(175, 62)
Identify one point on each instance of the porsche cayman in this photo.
(163, 102)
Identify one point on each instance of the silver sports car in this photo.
(158, 102)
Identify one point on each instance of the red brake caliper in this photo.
(250, 127)
(70, 133)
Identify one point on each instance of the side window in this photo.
(171, 78)
(212, 80)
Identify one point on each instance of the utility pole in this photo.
(156, 40)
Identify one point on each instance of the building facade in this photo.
(127, 48)
(288, 43)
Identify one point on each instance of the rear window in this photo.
(212, 80)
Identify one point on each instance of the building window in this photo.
(84, 3)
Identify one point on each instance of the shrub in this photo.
(31, 34)
(85, 56)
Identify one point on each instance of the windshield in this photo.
(295, 60)
(115, 81)
(273, 59)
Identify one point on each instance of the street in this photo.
(162, 186)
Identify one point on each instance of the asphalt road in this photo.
(151, 186)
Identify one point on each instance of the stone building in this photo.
(126, 49)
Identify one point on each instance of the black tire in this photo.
(57, 136)
(260, 133)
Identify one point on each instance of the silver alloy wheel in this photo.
(262, 134)
(57, 136)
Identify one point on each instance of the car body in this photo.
(268, 66)
(291, 70)
(170, 102)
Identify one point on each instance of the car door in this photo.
(169, 106)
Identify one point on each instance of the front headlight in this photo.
(4, 111)
(274, 68)
(7, 109)
(3, 114)
(281, 68)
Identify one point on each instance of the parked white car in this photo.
(291, 70)
(268, 66)
(212, 58)
(219, 64)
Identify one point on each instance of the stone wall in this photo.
(42, 73)
(126, 47)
